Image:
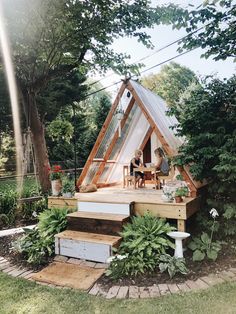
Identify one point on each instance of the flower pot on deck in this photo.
(56, 187)
(178, 199)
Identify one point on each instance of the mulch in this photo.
(226, 259)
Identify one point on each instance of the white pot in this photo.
(56, 187)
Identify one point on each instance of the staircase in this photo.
(93, 230)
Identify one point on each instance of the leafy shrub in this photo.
(144, 240)
(38, 244)
(203, 246)
(172, 264)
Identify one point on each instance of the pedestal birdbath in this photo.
(178, 237)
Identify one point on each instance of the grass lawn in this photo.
(18, 296)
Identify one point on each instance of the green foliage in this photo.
(182, 191)
(68, 186)
(218, 35)
(60, 129)
(208, 124)
(144, 240)
(7, 151)
(9, 207)
(38, 244)
(170, 84)
(203, 247)
(172, 265)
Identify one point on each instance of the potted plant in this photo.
(68, 189)
(56, 182)
(180, 192)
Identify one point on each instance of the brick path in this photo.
(131, 292)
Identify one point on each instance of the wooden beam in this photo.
(166, 146)
(101, 134)
(146, 138)
(112, 144)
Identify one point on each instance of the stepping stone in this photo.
(154, 291)
(60, 258)
(112, 293)
(8, 269)
(227, 275)
(4, 265)
(212, 280)
(173, 288)
(88, 264)
(133, 292)
(163, 289)
(101, 265)
(26, 273)
(16, 272)
(183, 287)
(102, 291)
(122, 293)
(76, 261)
(143, 292)
(94, 290)
(201, 284)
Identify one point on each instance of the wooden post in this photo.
(181, 225)
(101, 134)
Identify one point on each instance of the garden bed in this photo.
(225, 260)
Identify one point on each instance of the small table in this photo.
(144, 169)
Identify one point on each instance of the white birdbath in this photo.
(178, 237)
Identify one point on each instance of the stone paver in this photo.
(88, 264)
(154, 291)
(16, 272)
(183, 287)
(123, 292)
(60, 258)
(201, 284)
(163, 289)
(212, 280)
(133, 292)
(74, 261)
(173, 288)
(227, 275)
(8, 269)
(94, 290)
(101, 265)
(112, 292)
(144, 292)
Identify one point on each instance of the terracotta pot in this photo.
(178, 199)
(56, 187)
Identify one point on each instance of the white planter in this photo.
(56, 187)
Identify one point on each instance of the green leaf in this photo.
(198, 256)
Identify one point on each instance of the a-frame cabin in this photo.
(145, 125)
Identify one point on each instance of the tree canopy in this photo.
(170, 83)
(218, 35)
(208, 122)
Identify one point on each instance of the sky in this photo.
(160, 36)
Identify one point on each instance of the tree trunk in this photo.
(39, 143)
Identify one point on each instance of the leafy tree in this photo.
(218, 35)
(170, 84)
(51, 38)
(209, 124)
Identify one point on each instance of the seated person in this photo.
(135, 163)
(162, 166)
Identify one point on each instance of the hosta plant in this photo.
(203, 247)
(144, 240)
(172, 265)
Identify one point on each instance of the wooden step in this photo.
(117, 208)
(84, 245)
(101, 223)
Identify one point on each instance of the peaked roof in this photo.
(157, 111)
(144, 113)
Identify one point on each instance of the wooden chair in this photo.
(128, 179)
(165, 178)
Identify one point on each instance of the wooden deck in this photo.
(145, 200)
